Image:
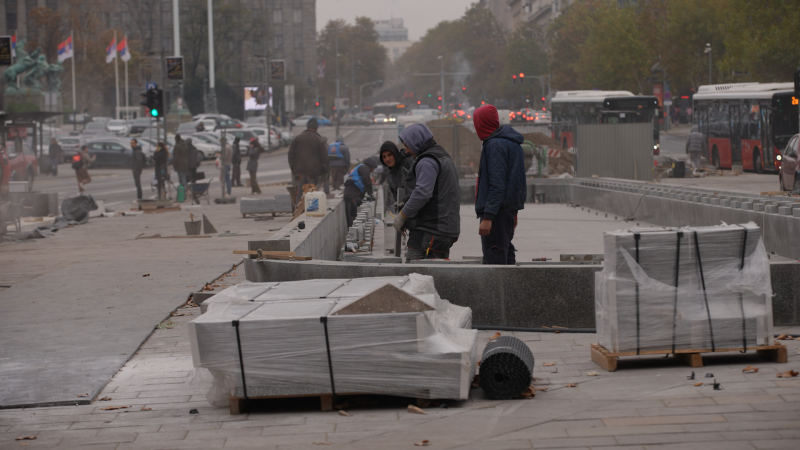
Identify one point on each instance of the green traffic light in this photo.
(154, 112)
(429, 95)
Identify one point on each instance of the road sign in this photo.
(175, 68)
(668, 95)
(150, 85)
(277, 70)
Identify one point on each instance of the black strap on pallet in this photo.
(235, 324)
(636, 237)
(675, 303)
(705, 294)
(324, 321)
(741, 296)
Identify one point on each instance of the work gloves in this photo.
(399, 221)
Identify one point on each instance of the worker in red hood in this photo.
(501, 186)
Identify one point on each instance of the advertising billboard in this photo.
(255, 98)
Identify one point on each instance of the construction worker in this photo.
(357, 184)
(339, 157)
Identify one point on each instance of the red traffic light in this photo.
(514, 77)
(316, 104)
(542, 98)
(463, 88)
(522, 75)
(440, 106)
(440, 98)
(419, 102)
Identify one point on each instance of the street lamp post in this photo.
(212, 95)
(708, 52)
(441, 72)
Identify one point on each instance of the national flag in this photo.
(321, 70)
(111, 51)
(122, 49)
(14, 45)
(65, 50)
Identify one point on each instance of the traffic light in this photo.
(155, 102)
(440, 98)
(543, 99)
(513, 79)
(521, 78)
(316, 104)
(419, 102)
(463, 88)
(429, 96)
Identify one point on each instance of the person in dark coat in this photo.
(308, 158)
(358, 183)
(252, 164)
(694, 146)
(55, 152)
(502, 187)
(236, 161)
(397, 167)
(194, 160)
(339, 161)
(180, 160)
(138, 162)
(161, 158)
(432, 213)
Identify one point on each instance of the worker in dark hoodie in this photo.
(357, 184)
(398, 166)
(339, 157)
(432, 212)
(501, 186)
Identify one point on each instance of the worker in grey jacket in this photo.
(432, 212)
(694, 146)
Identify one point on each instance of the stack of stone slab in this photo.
(363, 227)
(390, 335)
(703, 288)
(281, 203)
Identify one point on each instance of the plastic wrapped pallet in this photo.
(319, 336)
(702, 288)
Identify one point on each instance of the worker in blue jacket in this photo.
(357, 184)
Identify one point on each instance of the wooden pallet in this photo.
(608, 360)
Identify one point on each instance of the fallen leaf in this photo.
(539, 389)
(496, 335)
(698, 384)
(83, 395)
(413, 409)
(592, 374)
(344, 413)
(146, 275)
(112, 408)
(556, 332)
(784, 337)
(424, 443)
(572, 385)
(529, 393)
(25, 438)
(104, 399)
(549, 364)
(750, 369)
(145, 408)
(788, 374)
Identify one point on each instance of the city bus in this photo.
(571, 108)
(745, 124)
(387, 108)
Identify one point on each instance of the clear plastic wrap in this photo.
(693, 288)
(295, 340)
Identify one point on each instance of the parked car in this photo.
(102, 119)
(93, 128)
(380, 119)
(228, 124)
(788, 163)
(23, 164)
(191, 127)
(355, 119)
(110, 152)
(261, 132)
(139, 125)
(119, 127)
(71, 145)
(78, 118)
(210, 116)
(256, 120)
(303, 121)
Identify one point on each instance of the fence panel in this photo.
(623, 150)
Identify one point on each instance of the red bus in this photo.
(571, 108)
(746, 124)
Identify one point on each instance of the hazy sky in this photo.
(418, 15)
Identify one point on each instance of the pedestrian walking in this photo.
(252, 164)
(339, 161)
(236, 163)
(55, 152)
(694, 146)
(180, 160)
(225, 160)
(432, 211)
(195, 159)
(308, 158)
(398, 166)
(161, 158)
(501, 186)
(81, 166)
(358, 183)
(138, 162)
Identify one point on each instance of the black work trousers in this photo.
(497, 246)
(338, 173)
(137, 179)
(425, 245)
(236, 180)
(351, 205)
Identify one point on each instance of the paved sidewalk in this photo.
(647, 404)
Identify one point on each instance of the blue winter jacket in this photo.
(501, 177)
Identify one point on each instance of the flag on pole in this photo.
(122, 49)
(111, 51)
(14, 45)
(65, 50)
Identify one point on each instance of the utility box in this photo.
(620, 150)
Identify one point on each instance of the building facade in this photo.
(513, 13)
(393, 36)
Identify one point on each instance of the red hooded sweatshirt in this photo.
(486, 121)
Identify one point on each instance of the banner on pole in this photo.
(122, 49)
(277, 70)
(5, 50)
(175, 68)
(65, 50)
(111, 51)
